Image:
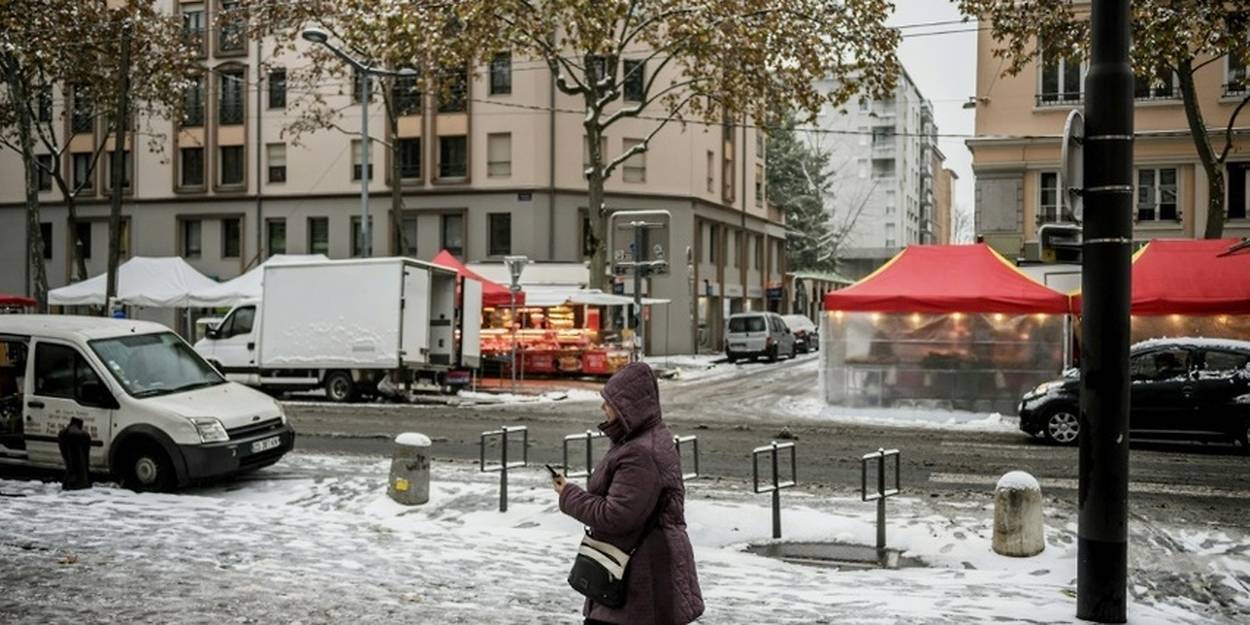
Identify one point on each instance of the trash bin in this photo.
(409, 482)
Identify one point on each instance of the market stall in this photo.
(15, 303)
(941, 326)
(249, 286)
(165, 282)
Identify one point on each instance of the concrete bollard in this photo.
(410, 470)
(1018, 516)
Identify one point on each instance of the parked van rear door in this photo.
(61, 385)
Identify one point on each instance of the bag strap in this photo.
(652, 521)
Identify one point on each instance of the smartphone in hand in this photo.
(554, 473)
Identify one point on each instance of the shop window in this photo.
(231, 238)
(191, 238)
(275, 236)
(452, 234)
(358, 238)
(319, 235)
(499, 227)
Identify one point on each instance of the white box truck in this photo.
(344, 325)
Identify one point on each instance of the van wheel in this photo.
(146, 468)
(794, 352)
(772, 354)
(340, 387)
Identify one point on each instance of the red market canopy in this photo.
(493, 293)
(948, 279)
(1189, 277)
(15, 300)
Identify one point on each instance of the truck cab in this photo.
(159, 416)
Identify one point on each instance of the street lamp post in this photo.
(516, 264)
(318, 36)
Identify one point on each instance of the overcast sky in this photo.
(944, 68)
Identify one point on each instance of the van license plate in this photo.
(737, 345)
(266, 445)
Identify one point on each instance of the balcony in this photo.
(1066, 98)
(1236, 88)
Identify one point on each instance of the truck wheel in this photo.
(340, 387)
(146, 468)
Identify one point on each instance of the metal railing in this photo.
(778, 485)
(694, 453)
(503, 466)
(589, 439)
(882, 493)
(1060, 98)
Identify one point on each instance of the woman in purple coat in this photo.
(640, 474)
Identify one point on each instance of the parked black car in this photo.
(806, 336)
(1193, 389)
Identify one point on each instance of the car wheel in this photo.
(772, 354)
(1243, 439)
(1062, 427)
(794, 352)
(340, 387)
(731, 358)
(146, 468)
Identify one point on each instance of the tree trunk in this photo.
(1202, 142)
(596, 206)
(119, 167)
(398, 246)
(76, 257)
(34, 234)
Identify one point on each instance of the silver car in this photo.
(756, 334)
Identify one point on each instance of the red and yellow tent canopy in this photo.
(1189, 277)
(948, 279)
(493, 294)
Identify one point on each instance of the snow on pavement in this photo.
(315, 540)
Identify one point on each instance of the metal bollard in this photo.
(75, 446)
(589, 437)
(409, 482)
(694, 443)
(504, 465)
(777, 485)
(880, 496)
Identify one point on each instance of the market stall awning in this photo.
(493, 293)
(948, 279)
(595, 297)
(1189, 277)
(16, 300)
(165, 282)
(248, 286)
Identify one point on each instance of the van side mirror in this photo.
(213, 333)
(94, 394)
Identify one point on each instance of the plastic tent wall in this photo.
(165, 282)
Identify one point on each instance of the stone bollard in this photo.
(1018, 516)
(410, 470)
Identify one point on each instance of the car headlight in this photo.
(210, 430)
(281, 410)
(1047, 387)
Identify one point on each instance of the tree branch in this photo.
(642, 147)
(1228, 132)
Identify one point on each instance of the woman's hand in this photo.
(557, 483)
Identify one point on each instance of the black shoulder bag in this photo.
(600, 569)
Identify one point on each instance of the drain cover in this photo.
(836, 555)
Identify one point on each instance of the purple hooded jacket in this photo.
(640, 471)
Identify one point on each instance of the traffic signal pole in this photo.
(1102, 546)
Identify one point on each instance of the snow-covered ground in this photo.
(315, 540)
(815, 409)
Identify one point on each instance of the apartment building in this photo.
(943, 198)
(493, 169)
(882, 153)
(1019, 122)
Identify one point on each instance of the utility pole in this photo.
(119, 159)
(1102, 535)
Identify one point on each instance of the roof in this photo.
(1189, 341)
(946, 279)
(1191, 276)
(75, 326)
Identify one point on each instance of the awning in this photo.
(248, 286)
(493, 293)
(16, 300)
(948, 279)
(1189, 277)
(165, 282)
(595, 297)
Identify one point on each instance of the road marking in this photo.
(1150, 488)
(949, 443)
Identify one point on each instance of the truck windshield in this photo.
(147, 365)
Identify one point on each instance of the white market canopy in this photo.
(165, 282)
(552, 284)
(249, 286)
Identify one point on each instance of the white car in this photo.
(758, 334)
(159, 416)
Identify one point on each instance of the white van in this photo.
(160, 417)
(758, 334)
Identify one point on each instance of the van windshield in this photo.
(147, 365)
(746, 324)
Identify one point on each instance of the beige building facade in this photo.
(495, 169)
(1019, 122)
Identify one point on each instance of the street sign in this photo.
(655, 241)
(1072, 166)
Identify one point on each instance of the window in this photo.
(44, 173)
(635, 80)
(760, 140)
(453, 97)
(891, 243)
(193, 104)
(231, 88)
(356, 85)
(864, 105)
(406, 94)
(587, 233)
(83, 239)
(1156, 194)
(318, 235)
(231, 165)
(127, 168)
(635, 167)
(759, 185)
(410, 158)
(191, 164)
(408, 230)
(711, 171)
(357, 157)
(60, 371)
(1048, 202)
(1061, 81)
(453, 234)
(44, 111)
(277, 89)
(358, 237)
(882, 168)
(1160, 366)
(501, 74)
(82, 174)
(1160, 85)
(452, 157)
(597, 67)
(1223, 364)
(759, 252)
(191, 238)
(1237, 77)
(735, 249)
(193, 26)
(231, 238)
(713, 243)
(239, 322)
(230, 37)
(862, 167)
(82, 115)
(275, 154)
(499, 155)
(275, 236)
(45, 233)
(499, 226)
